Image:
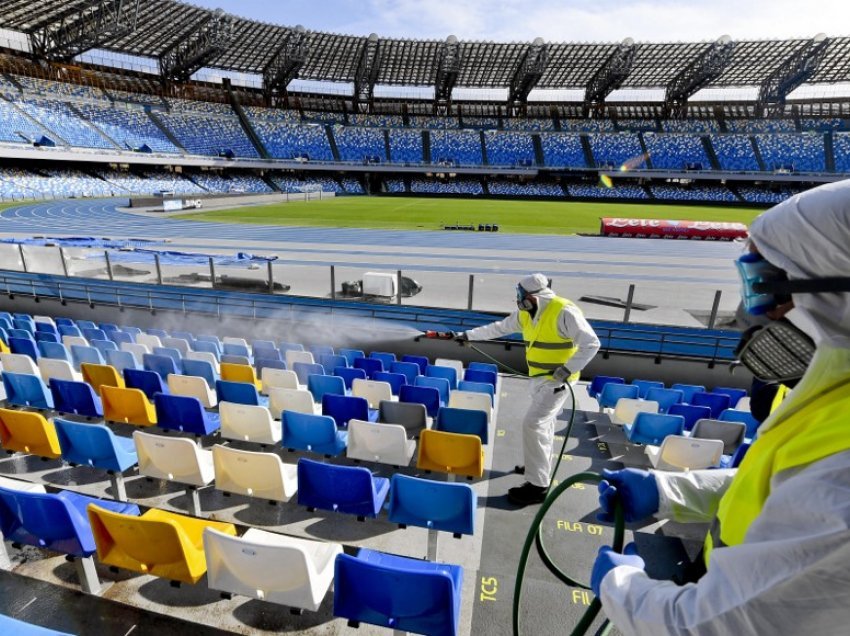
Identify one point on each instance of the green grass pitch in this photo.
(524, 217)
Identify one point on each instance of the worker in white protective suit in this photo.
(777, 554)
(559, 344)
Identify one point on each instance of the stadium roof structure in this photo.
(185, 37)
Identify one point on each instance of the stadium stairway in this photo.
(82, 117)
(757, 152)
(247, 126)
(332, 141)
(588, 153)
(709, 151)
(165, 131)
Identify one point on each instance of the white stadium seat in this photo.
(678, 452)
(381, 443)
(261, 475)
(193, 386)
(248, 423)
(177, 459)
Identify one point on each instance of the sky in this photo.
(554, 20)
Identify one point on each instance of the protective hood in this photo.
(537, 285)
(808, 236)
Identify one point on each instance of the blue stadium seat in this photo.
(159, 333)
(45, 327)
(262, 363)
(172, 353)
(95, 445)
(745, 417)
(147, 382)
(717, 402)
(480, 375)
(133, 331)
(9, 625)
(395, 380)
(370, 365)
(385, 357)
(239, 393)
(478, 387)
(613, 391)
(422, 361)
(185, 414)
(303, 370)
(688, 391)
(80, 354)
(691, 413)
(235, 349)
(645, 385)
(120, 337)
(201, 369)
(441, 384)
(436, 505)
(465, 421)
(425, 395)
(26, 390)
(24, 325)
(54, 351)
(43, 336)
(332, 361)
(108, 326)
(351, 355)
(409, 370)
(103, 346)
(263, 345)
(64, 321)
(23, 334)
(345, 407)
(24, 346)
(348, 489)
(484, 366)
(735, 395)
(266, 354)
(735, 460)
(417, 596)
(319, 385)
(320, 350)
(94, 334)
(77, 398)
(70, 330)
(349, 374)
(449, 373)
(121, 360)
(599, 382)
(652, 428)
(161, 365)
(314, 433)
(665, 398)
(206, 346)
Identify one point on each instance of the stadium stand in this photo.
(458, 147)
(563, 149)
(792, 152)
(596, 191)
(360, 144)
(676, 151)
(406, 146)
(455, 186)
(509, 148)
(735, 152)
(614, 150)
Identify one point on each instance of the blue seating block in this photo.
(314, 433)
(348, 489)
(665, 398)
(480, 375)
(159, 364)
(25, 347)
(81, 354)
(734, 394)
(186, 414)
(437, 505)
(422, 361)
(240, 393)
(304, 369)
(201, 369)
(437, 371)
(9, 625)
(441, 384)
(478, 387)
(408, 369)
(717, 402)
(688, 391)
(121, 360)
(54, 351)
(95, 445)
(43, 336)
(351, 355)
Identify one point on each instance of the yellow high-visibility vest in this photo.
(546, 349)
(812, 430)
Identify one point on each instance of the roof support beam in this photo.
(610, 76)
(88, 26)
(790, 74)
(366, 74)
(197, 48)
(285, 63)
(449, 63)
(708, 66)
(528, 73)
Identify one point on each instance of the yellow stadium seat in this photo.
(28, 432)
(240, 373)
(451, 453)
(127, 405)
(159, 543)
(99, 375)
(4, 348)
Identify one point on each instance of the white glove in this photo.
(561, 375)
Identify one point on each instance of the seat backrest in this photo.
(374, 442)
(484, 366)
(351, 355)
(395, 380)
(103, 346)
(173, 458)
(349, 375)
(238, 373)
(331, 361)
(613, 391)
(211, 348)
(200, 369)
(183, 413)
(261, 475)
(306, 431)
(121, 360)
(69, 330)
(441, 384)
(28, 432)
(730, 433)
(74, 397)
(471, 400)
(120, 337)
(23, 389)
(452, 453)
(445, 372)
(239, 392)
(305, 369)
(43, 336)
(688, 391)
(457, 365)
(372, 390)
(319, 385)
(422, 361)
(426, 395)
(203, 356)
(733, 393)
(193, 386)
(479, 375)
(320, 350)
(248, 423)
(54, 350)
(427, 503)
(408, 369)
(370, 365)
(691, 413)
(298, 400)
(292, 356)
(385, 357)
(478, 387)
(70, 341)
(45, 520)
(665, 398)
(627, 408)
(678, 452)
(61, 369)
(80, 354)
(172, 353)
(411, 415)
(465, 421)
(18, 363)
(717, 402)
(258, 346)
(262, 363)
(94, 334)
(278, 378)
(138, 350)
(344, 407)
(746, 417)
(235, 359)
(652, 428)
(98, 375)
(645, 385)
(127, 405)
(235, 349)
(149, 382)
(347, 489)
(159, 364)
(148, 340)
(24, 347)
(181, 344)
(92, 445)
(599, 382)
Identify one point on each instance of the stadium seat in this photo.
(645, 385)
(94, 334)
(418, 596)
(314, 433)
(148, 340)
(664, 397)
(267, 363)
(441, 384)
(734, 394)
(180, 344)
(321, 385)
(627, 409)
(688, 391)
(24, 347)
(472, 400)
(331, 361)
(445, 372)
(260, 475)
(745, 417)
(177, 459)
(193, 386)
(678, 452)
(129, 405)
(457, 365)
(370, 365)
(385, 357)
(480, 375)
(149, 382)
(436, 505)
(77, 398)
(173, 548)
(137, 350)
(612, 392)
(160, 364)
(380, 443)
(185, 414)
(271, 567)
(395, 380)
(278, 378)
(349, 375)
(484, 366)
(230, 347)
(103, 346)
(26, 390)
(239, 373)
(344, 407)
(60, 369)
(426, 395)
(18, 363)
(248, 423)
(411, 415)
(422, 361)
(599, 382)
(120, 337)
(28, 432)
(303, 370)
(239, 392)
(54, 351)
(80, 354)
(298, 400)
(372, 391)
(409, 370)
(348, 489)
(258, 346)
(732, 434)
(201, 369)
(208, 349)
(121, 360)
(452, 453)
(98, 375)
(95, 445)
(464, 421)
(652, 428)
(478, 387)
(42, 336)
(291, 356)
(717, 402)
(169, 352)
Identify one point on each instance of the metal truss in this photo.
(448, 64)
(197, 48)
(286, 62)
(795, 70)
(528, 73)
(708, 66)
(366, 74)
(610, 76)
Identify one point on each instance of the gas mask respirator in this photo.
(523, 296)
(778, 351)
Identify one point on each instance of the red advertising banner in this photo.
(666, 229)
